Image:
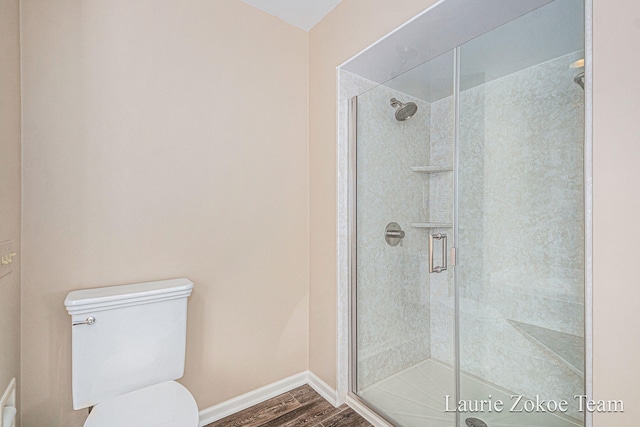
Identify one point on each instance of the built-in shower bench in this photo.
(565, 347)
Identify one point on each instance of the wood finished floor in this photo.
(299, 407)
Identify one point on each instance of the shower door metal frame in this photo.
(456, 168)
(353, 242)
(588, 206)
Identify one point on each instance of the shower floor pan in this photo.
(415, 397)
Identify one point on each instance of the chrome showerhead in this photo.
(404, 111)
(579, 79)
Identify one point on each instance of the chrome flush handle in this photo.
(88, 321)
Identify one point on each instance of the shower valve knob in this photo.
(393, 234)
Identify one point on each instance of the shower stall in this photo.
(467, 217)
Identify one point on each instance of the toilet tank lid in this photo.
(110, 296)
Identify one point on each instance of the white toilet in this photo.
(128, 347)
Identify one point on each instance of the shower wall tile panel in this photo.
(393, 290)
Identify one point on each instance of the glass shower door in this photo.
(520, 211)
(404, 315)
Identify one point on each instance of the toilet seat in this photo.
(167, 404)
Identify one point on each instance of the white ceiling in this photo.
(301, 13)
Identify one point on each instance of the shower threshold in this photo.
(415, 397)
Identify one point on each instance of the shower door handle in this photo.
(443, 267)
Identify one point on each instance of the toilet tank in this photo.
(126, 337)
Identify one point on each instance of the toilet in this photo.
(128, 348)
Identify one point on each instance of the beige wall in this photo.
(164, 139)
(616, 145)
(10, 188)
(354, 25)
(349, 28)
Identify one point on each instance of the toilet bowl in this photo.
(167, 404)
(128, 348)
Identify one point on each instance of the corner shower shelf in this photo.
(566, 347)
(431, 225)
(431, 169)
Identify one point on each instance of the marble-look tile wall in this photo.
(521, 225)
(393, 291)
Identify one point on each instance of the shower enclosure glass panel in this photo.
(468, 231)
(405, 315)
(520, 271)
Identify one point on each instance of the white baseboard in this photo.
(367, 413)
(323, 389)
(254, 397)
(251, 398)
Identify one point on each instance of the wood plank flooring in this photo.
(300, 407)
